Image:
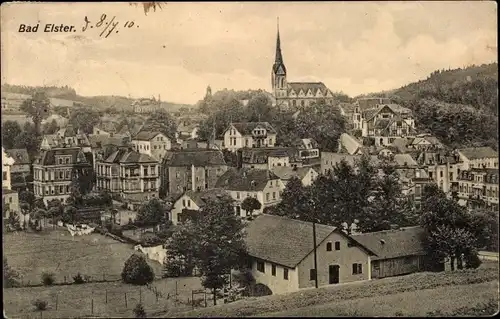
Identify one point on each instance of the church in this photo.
(295, 95)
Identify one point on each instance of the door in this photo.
(333, 274)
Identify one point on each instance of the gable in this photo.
(386, 109)
(292, 93)
(310, 93)
(280, 70)
(301, 93)
(319, 94)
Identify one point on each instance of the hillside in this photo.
(459, 107)
(64, 96)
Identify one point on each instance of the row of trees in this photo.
(349, 195)
(213, 244)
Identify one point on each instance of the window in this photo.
(285, 273)
(312, 274)
(189, 203)
(328, 246)
(274, 195)
(4, 176)
(61, 189)
(351, 244)
(261, 266)
(267, 196)
(302, 103)
(183, 203)
(273, 269)
(237, 195)
(60, 161)
(357, 269)
(67, 160)
(441, 174)
(337, 245)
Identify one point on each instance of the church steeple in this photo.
(279, 56)
(278, 76)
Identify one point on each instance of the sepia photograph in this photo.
(242, 159)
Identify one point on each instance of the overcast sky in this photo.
(356, 47)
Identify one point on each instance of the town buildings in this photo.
(268, 157)
(152, 143)
(293, 95)
(478, 157)
(10, 198)
(249, 134)
(66, 137)
(306, 175)
(193, 201)
(145, 106)
(282, 257)
(132, 176)
(20, 171)
(54, 170)
(192, 169)
(478, 188)
(262, 184)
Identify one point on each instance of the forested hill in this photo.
(460, 106)
(68, 93)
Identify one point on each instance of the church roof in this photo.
(306, 86)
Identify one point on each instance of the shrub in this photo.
(10, 276)
(40, 305)
(472, 261)
(136, 271)
(48, 279)
(259, 290)
(139, 311)
(244, 278)
(78, 279)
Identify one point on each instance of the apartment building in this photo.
(131, 175)
(192, 169)
(152, 143)
(478, 187)
(20, 171)
(53, 171)
(478, 157)
(250, 134)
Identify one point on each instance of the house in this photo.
(398, 252)
(145, 105)
(192, 169)
(21, 169)
(363, 104)
(7, 163)
(66, 137)
(54, 169)
(192, 201)
(261, 184)
(306, 175)
(268, 157)
(10, 198)
(250, 134)
(152, 143)
(104, 128)
(387, 122)
(442, 167)
(426, 142)
(330, 159)
(131, 175)
(281, 254)
(478, 187)
(102, 145)
(187, 130)
(307, 148)
(478, 157)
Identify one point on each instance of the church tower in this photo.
(278, 76)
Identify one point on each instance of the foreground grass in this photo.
(98, 299)
(487, 273)
(57, 252)
(442, 300)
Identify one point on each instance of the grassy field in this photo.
(56, 251)
(99, 299)
(376, 297)
(20, 118)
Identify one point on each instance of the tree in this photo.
(151, 213)
(181, 257)
(250, 204)
(51, 128)
(69, 214)
(13, 221)
(84, 118)
(10, 276)
(37, 107)
(136, 271)
(162, 122)
(10, 133)
(221, 245)
(294, 201)
(139, 311)
(55, 209)
(28, 198)
(29, 139)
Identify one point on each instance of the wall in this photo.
(478, 163)
(344, 257)
(239, 139)
(178, 207)
(12, 200)
(277, 161)
(156, 253)
(277, 284)
(397, 266)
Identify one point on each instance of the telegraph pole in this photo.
(315, 257)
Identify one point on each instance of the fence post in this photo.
(140, 295)
(192, 298)
(57, 300)
(106, 295)
(205, 298)
(92, 306)
(125, 300)
(176, 290)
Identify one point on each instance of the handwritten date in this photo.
(106, 25)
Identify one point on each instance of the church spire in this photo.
(279, 57)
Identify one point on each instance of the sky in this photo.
(176, 52)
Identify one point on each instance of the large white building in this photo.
(250, 134)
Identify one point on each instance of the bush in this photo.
(139, 311)
(78, 279)
(136, 271)
(48, 279)
(260, 290)
(244, 278)
(472, 261)
(40, 305)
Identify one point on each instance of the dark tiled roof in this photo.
(347, 107)
(107, 126)
(282, 240)
(260, 155)
(247, 127)
(20, 155)
(382, 123)
(48, 157)
(286, 172)
(396, 243)
(478, 152)
(369, 114)
(98, 139)
(124, 156)
(306, 86)
(146, 135)
(245, 179)
(200, 197)
(196, 157)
